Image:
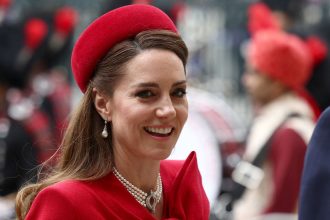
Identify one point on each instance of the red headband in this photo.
(110, 29)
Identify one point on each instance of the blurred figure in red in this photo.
(277, 67)
(287, 15)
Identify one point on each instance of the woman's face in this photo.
(149, 106)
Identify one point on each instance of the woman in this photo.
(130, 63)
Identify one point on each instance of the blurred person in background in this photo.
(48, 34)
(277, 67)
(130, 65)
(288, 15)
(33, 111)
(18, 154)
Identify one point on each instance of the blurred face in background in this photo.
(260, 87)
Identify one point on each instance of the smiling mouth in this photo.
(159, 132)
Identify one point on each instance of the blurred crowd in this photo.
(36, 95)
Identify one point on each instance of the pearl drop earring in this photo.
(105, 130)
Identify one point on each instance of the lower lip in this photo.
(161, 138)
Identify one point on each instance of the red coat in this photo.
(107, 198)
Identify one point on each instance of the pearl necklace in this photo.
(146, 200)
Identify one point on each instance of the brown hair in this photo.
(84, 154)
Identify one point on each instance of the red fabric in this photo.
(186, 198)
(110, 29)
(282, 56)
(107, 198)
(287, 152)
(65, 20)
(260, 18)
(303, 93)
(318, 49)
(5, 4)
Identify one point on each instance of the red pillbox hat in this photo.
(109, 29)
(281, 56)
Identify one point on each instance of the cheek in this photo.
(182, 111)
(254, 83)
(249, 81)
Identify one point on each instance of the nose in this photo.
(166, 109)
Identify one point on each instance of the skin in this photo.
(151, 95)
(261, 88)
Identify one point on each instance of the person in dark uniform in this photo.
(27, 136)
(48, 83)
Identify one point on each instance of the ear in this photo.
(102, 105)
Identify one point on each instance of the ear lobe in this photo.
(102, 105)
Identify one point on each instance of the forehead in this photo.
(155, 65)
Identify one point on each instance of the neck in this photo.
(142, 173)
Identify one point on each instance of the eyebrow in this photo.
(152, 84)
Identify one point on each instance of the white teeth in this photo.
(159, 130)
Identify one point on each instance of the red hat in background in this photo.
(281, 56)
(65, 20)
(35, 33)
(260, 17)
(110, 29)
(4, 4)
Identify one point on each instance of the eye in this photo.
(145, 94)
(179, 92)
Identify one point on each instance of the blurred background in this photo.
(216, 32)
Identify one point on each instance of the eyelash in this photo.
(180, 92)
(144, 94)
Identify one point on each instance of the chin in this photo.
(163, 154)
